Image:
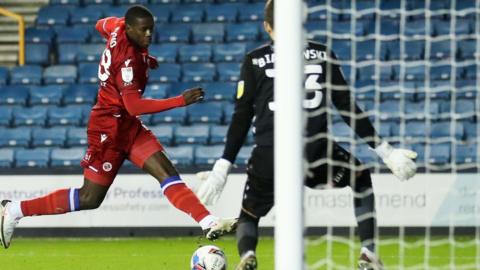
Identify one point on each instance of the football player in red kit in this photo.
(115, 133)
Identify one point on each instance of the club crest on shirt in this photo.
(107, 166)
(127, 75)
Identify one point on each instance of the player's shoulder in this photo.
(316, 45)
(260, 50)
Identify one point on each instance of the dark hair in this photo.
(269, 12)
(135, 12)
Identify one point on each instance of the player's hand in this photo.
(399, 161)
(152, 62)
(193, 95)
(214, 182)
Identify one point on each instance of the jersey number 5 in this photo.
(312, 73)
(105, 63)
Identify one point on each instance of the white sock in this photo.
(15, 209)
(207, 222)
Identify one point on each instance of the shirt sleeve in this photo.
(341, 98)
(107, 25)
(243, 113)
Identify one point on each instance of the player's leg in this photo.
(147, 153)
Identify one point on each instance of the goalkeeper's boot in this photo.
(248, 261)
(7, 224)
(369, 261)
(220, 227)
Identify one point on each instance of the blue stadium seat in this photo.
(251, 12)
(98, 2)
(164, 133)
(228, 109)
(60, 74)
(165, 73)
(53, 15)
(222, 13)
(390, 110)
(208, 32)
(87, 73)
(415, 72)
(365, 50)
(13, 95)
(87, 15)
(415, 28)
(440, 154)
(414, 50)
(196, 134)
(3, 76)
(443, 130)
(465, 109)
(28, 74)
(418, 111)
(244, 155)
(344, 28)
(165, 53)
(72, 35)
(36, 158)
(50, 94)
(76, 136)
(198, 72)
(385, 129)
(90, 52)
(173, 33)
(6, 158)
(229, 52)
(464, 26)
(180, 156)
(470, 130)
(228, 71)
(195, 53)
(367, 73)
(64, 116)
(55, 136)
(15, 137)
(364, 89)
(39, 35)
(131, 2)
(66, 157)
(440, 50)
(177, 115)
(218, 134)
(466, 153)
(415, 131)
(470, 71)
(188, 14)
(37, 54)
(343, 48)
(242, 32)
(30, 116)
(5, 116)
(67, 53)
(342, 132)
(388, 27)
(80, 93)
(161, 13)
(219, 91)
(157, 91)
(207, 155)
(209, 112)
(165, 2)
(441, 72)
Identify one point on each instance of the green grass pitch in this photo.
(174, 253)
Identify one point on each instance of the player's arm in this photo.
(215, 179)
(106, 26)
(399, 161)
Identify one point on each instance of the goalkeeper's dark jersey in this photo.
(254, 98)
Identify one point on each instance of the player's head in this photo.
(139, 25)
(268, 21)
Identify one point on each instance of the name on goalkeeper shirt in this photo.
(309, 54)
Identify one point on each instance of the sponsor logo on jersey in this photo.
(107, 166)
(240, 89)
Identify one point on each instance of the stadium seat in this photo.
(208, 32)
(88, 73)
(67, 53)
(72, 35)
(181, 156)
(64, 116)
(188, 14)
(157, 91)
(165, 53)
(36, 158)
(90, 52)
(415, 131)
(418, 110)
(467, 49)
(198, 72)
(466, 153)
(440, 50)
(46, 95)
(196, 134)
(15, 137)
(251, 12)
(440, 154)
(441, 72)
(28, 74)
(414, 50)
(242, 32)
(219, 91)
(5, 116)
(39, 35)
(53, 15)
(60, 74)
(29, 116)
(470, 72)
(76, 136)
(165, 73)
(344, 28)
(6, 158)
(415, 72)
(13, 95)
(228, 71)
(342, 132)
(388, 27)
(364, 89)
(465, 109)
(229, 52)
(98, 2)
(207, 155)
(37, 54)
(164, 133)
(161, 13)
(443, 130)
(209, 112)
(343, 49)
(390, 110)
(228, 109)
(3, 76)
(177, 115)
(55, 136)
(244, 155)
(66, 157)
(80, 94)
(218, 134)
(365, 50)
(86, 15)
(195, 53)
(178, 33)
(415, 28)
(470, 130)
(222, 13)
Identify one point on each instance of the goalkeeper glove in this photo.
(399, 161)
(210, 191)
(152, 62)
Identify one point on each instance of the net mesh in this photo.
(412, 67)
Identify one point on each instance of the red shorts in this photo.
(111, 140)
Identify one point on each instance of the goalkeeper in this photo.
(254, 100)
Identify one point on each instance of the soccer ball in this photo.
(208, 258)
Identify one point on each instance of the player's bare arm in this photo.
(193, 95)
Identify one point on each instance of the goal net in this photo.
(412, 67)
